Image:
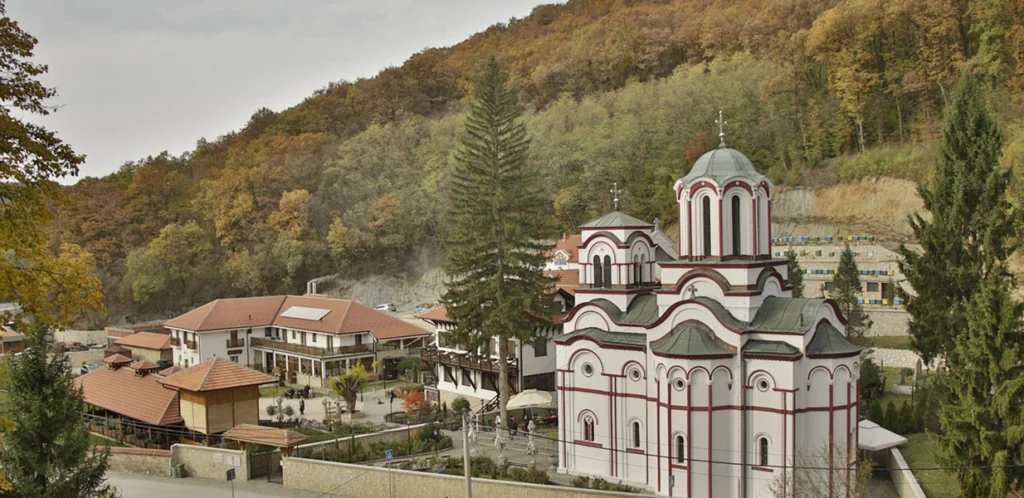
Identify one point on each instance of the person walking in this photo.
(511, 427)
(302, 407)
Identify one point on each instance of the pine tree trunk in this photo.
(503, 380)
(860, 134)
(899, 117)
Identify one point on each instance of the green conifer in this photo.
(970, 226)
(795, 273)
(498, 229)
(846, 290)
(982, 417)
(47, 453)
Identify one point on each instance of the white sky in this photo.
(136, 77)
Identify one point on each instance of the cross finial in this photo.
(615, 195)
(721, 130)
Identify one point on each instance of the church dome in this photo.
(722, 164)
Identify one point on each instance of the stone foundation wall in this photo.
(77, 358)
(140, 461)
(210, 463)
(357, 481)
(888, 322)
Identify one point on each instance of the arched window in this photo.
(588, 429)
(636, 434)
(736, 225)
(637, 278)
(607, 271)
(763, 452)
(757, 226)
(598, 274)
(680, 449)
(705, 208)
(645, 275)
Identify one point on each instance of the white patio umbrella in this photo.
(531, 398)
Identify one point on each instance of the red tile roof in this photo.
(8, 335)
(343, 317)
(144, 365)
(268, 436)
(117, 359)
(437, 314)
(146, 340)
(217, 373)
(568, 280)
(569, 244)
(122, 391)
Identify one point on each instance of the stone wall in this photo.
(888, 322)
(399, 434)
(899, 358)
(140, 461)
(373, 482)
(77, 358)
(210, 463)
(82, 336)
(906, 484)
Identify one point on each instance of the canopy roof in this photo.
(873, 437)
(117, 359)
(140, 397)
(217, 373)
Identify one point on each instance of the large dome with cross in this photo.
(722, 164)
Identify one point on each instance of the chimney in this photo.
(314, 287)
(657, 225)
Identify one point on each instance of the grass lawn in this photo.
(316, 436)
(272, 392)
(3, 396)
(886, 341)
(97, 440)
(920, 451)
(892, 377)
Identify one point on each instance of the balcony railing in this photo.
(191, 344)
(175, 341)
(236, 343)
(309, 350)
(431, 354)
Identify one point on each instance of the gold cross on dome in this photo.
(721, 129)
(615, 195)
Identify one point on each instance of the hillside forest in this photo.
(354, 179)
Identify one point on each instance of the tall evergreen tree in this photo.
(847, 291)
(46, 454)
(496, 254)
(982, 417)
(795, 273)
(970, 226)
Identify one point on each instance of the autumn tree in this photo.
(496, 257)
(53, 286)
(970, 228)
(348, 385)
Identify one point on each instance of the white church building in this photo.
(702, 371)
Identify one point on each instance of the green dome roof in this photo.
(615, 219)
(722, 164)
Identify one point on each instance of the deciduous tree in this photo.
(496, 254)
(348, 385)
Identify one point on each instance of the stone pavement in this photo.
(372, 411)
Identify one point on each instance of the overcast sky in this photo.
(136, 77)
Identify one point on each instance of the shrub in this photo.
(271, 410)
(536, 476)
(581, 482)
(875, 413)
(407, 367)
(460, 405)
(288, 411)
(905, 419)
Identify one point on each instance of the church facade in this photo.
(702, 371)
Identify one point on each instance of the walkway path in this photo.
(132, 485)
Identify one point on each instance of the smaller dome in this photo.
(722, 164)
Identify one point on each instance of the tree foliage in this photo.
(847, 291)
(46, 451)
(982, 420)
(348, 385)
(970, 227)
(496, 251)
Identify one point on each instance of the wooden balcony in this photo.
(175, 341)
(191, 344)
(309, 350)
(431, 354)
(236, 343)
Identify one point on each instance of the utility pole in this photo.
(465, 457)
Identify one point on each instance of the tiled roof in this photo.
(569, 244)
(642, 310)
(269, 436)
(117, 359)
(343, 317)
(568, 280)
(115, 349)
(122, 391)
(8, 335)
(786, 314)
(217, 373)
(689, 339)
(167, 372)
(437, 314)
(230, 314)
(771, 348)
(146, 340)
(144, 365)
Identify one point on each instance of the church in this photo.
(701, 375)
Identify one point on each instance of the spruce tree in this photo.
(46, 453)
(982, 417)
(795, 273)
(846, 291)
(971, 222)
(498, 224)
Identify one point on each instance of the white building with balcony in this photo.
(309, 338)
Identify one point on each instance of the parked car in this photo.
(88, 368)
(386, 307)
